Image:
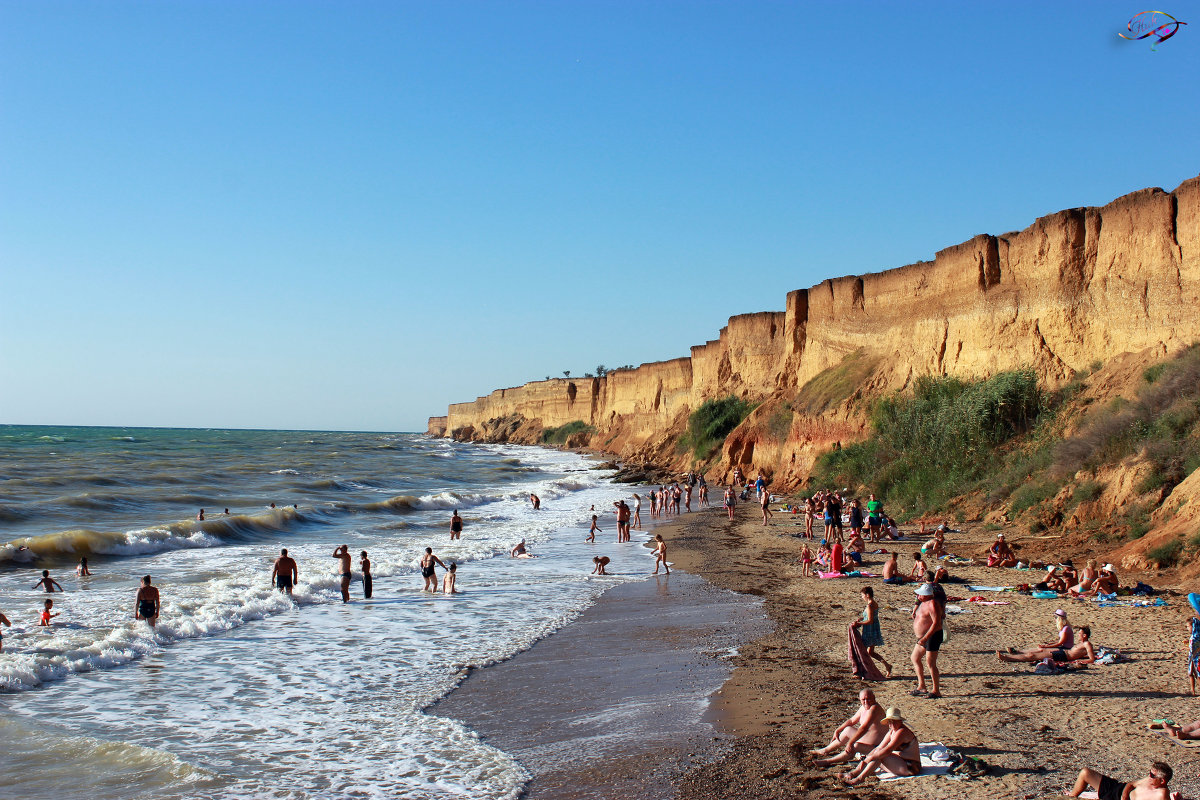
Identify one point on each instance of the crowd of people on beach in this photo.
(881, 739)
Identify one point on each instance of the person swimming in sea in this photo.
(82, 570)
(48, 582)
(519, 551)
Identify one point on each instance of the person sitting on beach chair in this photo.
(1152, 787)
(859, 734)
(898, 753)
(1082, 653)
(1000, 554)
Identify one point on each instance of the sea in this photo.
(241, 691)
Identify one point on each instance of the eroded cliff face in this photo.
(1075, 287)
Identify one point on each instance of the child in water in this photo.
(592, 533)
(448, 580)
(46, 615)
(601, 562)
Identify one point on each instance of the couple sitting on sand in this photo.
(882, 739)
(1061, 651)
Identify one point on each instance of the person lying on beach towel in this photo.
(898, 753)
(859, 734)
(1083, 652)
(1152, 787)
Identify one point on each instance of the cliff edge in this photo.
(1075, 287)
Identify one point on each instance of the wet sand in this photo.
(613, 704)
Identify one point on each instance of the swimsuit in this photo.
(871, 635)
(146, 608)
(367, 585)
(283, 581)
(428, 571)
(1059, 655)
(1110, 789)
(935, 641)
(45, 617)
(1194, 648)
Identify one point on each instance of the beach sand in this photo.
(792, 687)
(590, 695)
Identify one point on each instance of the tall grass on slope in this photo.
(937, 443)
(560, 434)
(1162, 424)
(709, 425)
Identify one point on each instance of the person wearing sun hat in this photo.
(898, 753)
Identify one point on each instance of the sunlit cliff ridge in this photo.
(1076, 287)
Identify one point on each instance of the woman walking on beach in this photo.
(730, 501)
(868, 628)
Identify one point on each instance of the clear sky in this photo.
(346, 215)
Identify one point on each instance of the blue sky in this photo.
(346, 215)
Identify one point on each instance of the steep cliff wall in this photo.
(1074, 287)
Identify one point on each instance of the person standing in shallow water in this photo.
(147, 603)
(343, 555)
(285, 573)
(456, 525)
(366, 570)
(429, 571)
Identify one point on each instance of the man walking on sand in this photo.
(928, 619)
(342, 554)
(147, 602)
(285, 574)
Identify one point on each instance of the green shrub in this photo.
(1088, 490)
(780, 423)
(1166, 554)
(1152, 373)
(936, 443)
(709, 425)
(1032, 494)
(560, 434)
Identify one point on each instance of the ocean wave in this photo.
(98, 502)
(10, 514)
(69, 544)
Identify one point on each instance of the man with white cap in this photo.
(898, 753)
(929, 618)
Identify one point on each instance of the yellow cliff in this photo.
(1075, 287)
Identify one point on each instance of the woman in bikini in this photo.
(898, 753)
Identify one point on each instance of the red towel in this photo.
(861, 663)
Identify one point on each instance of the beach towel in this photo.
(989, 588)
(861, 663)
(936, 759)
(1189, 743)
(982, 602)
(827, 575)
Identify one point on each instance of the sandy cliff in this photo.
(1075, 287)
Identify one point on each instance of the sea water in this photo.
(240, 690)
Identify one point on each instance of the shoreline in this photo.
(615, 704)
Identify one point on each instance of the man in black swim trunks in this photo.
(343, 554)
(147, 602)
(929, 616)
(286, 574)
(428, 572)
(455, 526)
(1152, 787)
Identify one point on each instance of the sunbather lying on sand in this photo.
(1152, 787)
(859, 734)
(1189, 731)
(1083, 652)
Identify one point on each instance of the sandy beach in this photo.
(792, 687)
